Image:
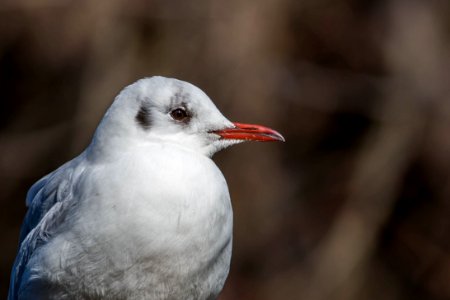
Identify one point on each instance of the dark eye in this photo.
(179, 114)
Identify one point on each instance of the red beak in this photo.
(250, 132)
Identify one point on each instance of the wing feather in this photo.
(47, 202)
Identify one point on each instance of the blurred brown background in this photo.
(356, 203)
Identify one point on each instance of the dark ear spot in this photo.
(143, 118)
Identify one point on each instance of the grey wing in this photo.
(43, 195)
(47, 202)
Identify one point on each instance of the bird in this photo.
(143, 212)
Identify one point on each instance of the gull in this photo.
(143, 212)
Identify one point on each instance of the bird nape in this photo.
(143, 212)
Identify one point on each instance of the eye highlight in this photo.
(179, 114)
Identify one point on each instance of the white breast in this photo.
(157, 223)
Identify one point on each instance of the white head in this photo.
(168, 110)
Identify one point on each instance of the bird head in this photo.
(170, 111)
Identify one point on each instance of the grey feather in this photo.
(47, 201)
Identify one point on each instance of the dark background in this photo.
(355, 204)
